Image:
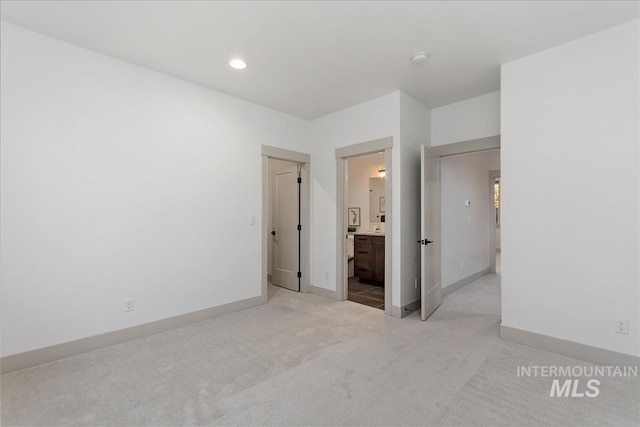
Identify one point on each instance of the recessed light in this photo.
(238, 64)
(419, 58)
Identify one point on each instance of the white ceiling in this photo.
(313, 58)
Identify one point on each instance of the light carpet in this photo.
(305, 360)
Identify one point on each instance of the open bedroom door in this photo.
(430, 290)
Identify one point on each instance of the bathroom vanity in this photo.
(369, 257)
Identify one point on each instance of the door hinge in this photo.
(299, 227)
(299, 180)
(299, 274)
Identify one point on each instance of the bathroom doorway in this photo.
(366, 219)
(345, 216)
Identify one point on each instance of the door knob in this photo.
(273, 232)
(425, 242)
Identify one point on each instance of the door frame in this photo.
(342, 154)
(304, 160)
(490, 143)
(492, 210)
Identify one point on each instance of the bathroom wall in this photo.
(360, 169)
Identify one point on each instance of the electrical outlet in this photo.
(326, 274)
(462, 265)
(416, 283)
(128, 304)
(622, 326)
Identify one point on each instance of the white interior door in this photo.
(286, 210)
(430, 290)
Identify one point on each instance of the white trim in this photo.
(363, 148)
(465, 281)
(405, 310)
(341, 219)
(60, 351)
(324, 292)
(264, 244)
(466, 147)
(342, 154)
(388, 240)
(568, 348)
(283, 154)
(492, 223)
(305, 205)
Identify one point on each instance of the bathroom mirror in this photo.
(377, 202)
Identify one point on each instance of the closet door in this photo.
(285, 233)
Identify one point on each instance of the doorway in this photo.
(366, 201)
(495, 198)
(374, 263)
(286, 222)
(467, 228)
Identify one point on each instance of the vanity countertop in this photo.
(367, 233)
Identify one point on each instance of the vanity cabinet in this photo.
(369, 257)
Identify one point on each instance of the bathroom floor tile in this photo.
(367, 294)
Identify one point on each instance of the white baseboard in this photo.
(27, 359)
(405, 310)
(568, 348)
(396, 311)
(463, 282)
(324, 292)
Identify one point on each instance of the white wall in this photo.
(414, 132)
(121, 182)
(465, 244)
(466, 120)
(371, 120)
(407, 122)
(570, 169)
(360, 170)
